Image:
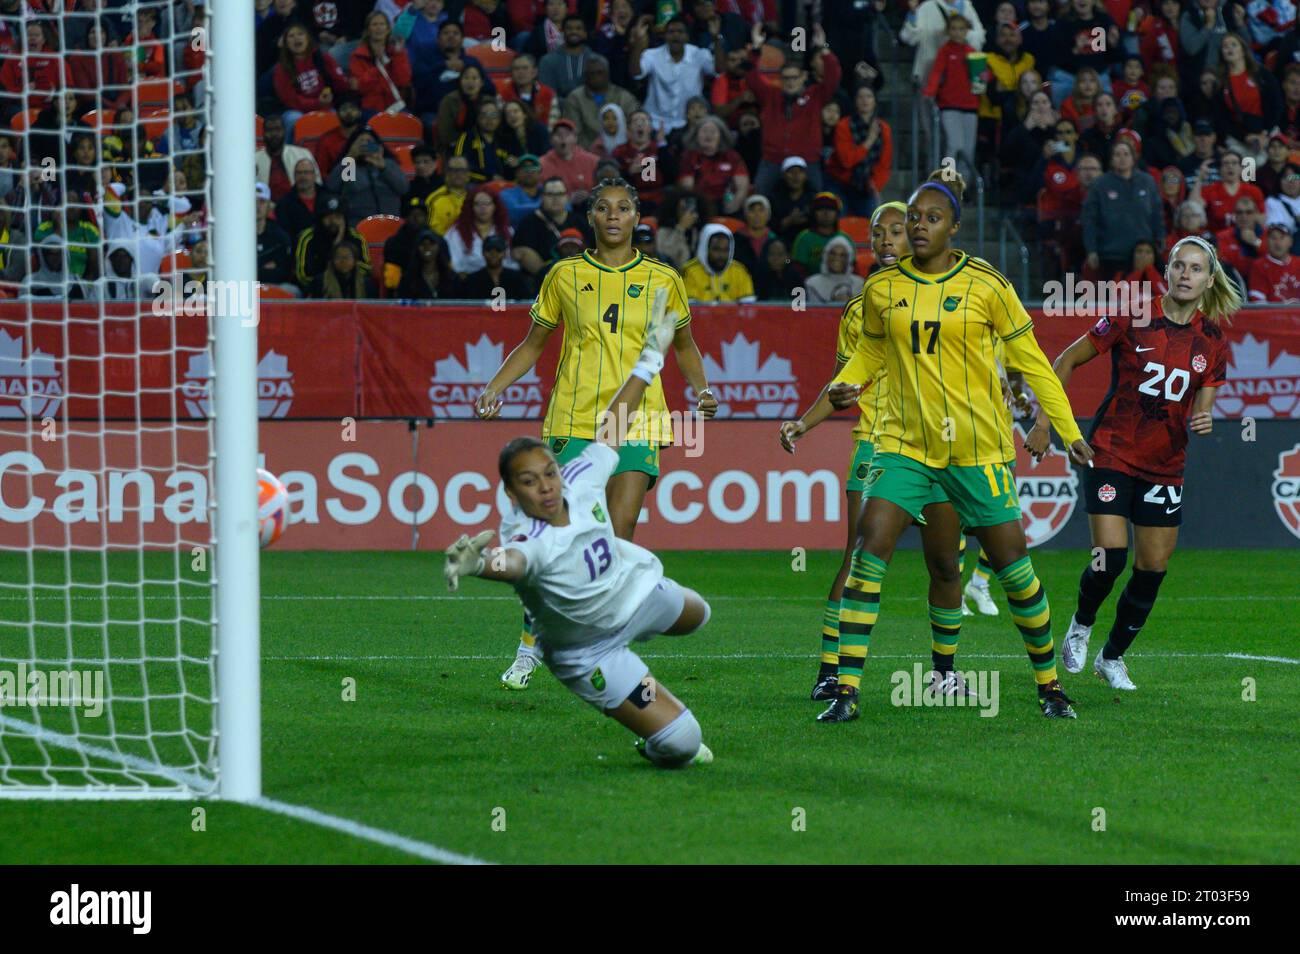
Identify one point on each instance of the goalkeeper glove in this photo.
(465, 556)
(658, 339)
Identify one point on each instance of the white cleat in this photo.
(949, 683)
(979, 592)
(966, 610)
(1113, 672)
(704, 756)
(520, 671)
(1074, 648)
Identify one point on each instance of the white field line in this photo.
(189, 784)
(437, 657)
(439, 598)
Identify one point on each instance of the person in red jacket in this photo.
(1241, 244)
(380, 67)
(524, 87)
(306, 77)
(45, 73)
(147, 48)
(1222, 197)
(863, 156)
(1158, 34)
(1145, 280)
(792, 113)
(950, 86)
(481, 17)
(93, 67)
(1276, 276)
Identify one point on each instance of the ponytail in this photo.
(1223, 298)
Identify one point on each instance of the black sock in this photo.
(1095, 585)
(942, 662)
(1131, 614)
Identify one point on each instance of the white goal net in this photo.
(108, 443)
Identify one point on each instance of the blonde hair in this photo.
(1223, 298)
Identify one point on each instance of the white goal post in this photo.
(129, 623)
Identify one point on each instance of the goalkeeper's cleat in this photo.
(824, 689)
(979, 593)
(1113, 672)
(966, 610)
(844, 707)
(1074, 648)
(1054, 703)
(704, 756)
(950, 683)
(520, 671)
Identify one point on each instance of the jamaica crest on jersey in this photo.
(1048, 491)
(598, 512)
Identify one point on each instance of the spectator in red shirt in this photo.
(950, 86)
(1242, 243)
(306, 78)
(756, 233)
(1145, 279)
(643, 161)
(329, 148)
(730, 96)
(381, 68)
(1222, 197)
(792, 113)
(1079, 106)
(1131, 91)
(864, 154)
(481, 17)
(1107, 122)
(1173, 193)
(568, 161)
(711, 168)
(524, 87)
(96, 68)
(1250, 93)
(1276, 276)
(1158, 34)
(38, 73)
(150, 53)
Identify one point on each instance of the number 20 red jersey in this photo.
(1157, 367)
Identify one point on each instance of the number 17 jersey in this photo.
(581, 582)
(605, 312)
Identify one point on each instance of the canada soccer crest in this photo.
(1048, 491)
(1286, 489)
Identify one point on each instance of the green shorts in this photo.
(983, 496)
(859, 473)
(640, 456)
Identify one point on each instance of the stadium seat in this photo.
(863, 261)
(98, 117)
(23, 119)
(175, 262)
(398, 128)
(856, 228)
(312, 126)
(733, 225)
(273, 291)
(494, 61)
(155, 122)
(403, 153)
(153, 93)
(376, 230)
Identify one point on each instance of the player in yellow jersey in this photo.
(942, 542)
(603, 298)
(932, 322)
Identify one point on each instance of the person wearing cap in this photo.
(330, 147)
(755, 233)
(643, 239)
(1276, 276)
(1284, 206)
(1121, 208)
(539, 232)
(714, 275)
(1221, 197)
(483, 284)
(445, 202)
(563, 69)
(315, 248)
(274, 247)
(427, 274)
(526, 194)
(569, 161)
(808, 244)
(1268, 175)
(584, 105)
(1203, 163)
(673, 73)
(400, 245)
(792, 112)
(792, 199)
(275, 161)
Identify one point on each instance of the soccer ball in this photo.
(272, 507)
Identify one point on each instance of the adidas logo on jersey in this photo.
(902, 303)
(587, 287)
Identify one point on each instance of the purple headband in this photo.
(956, 206)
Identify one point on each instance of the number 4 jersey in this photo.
(581, 583)
(1140, 428)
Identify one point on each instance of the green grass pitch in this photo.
(433, 749)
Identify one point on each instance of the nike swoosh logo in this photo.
(1140, 350)
(1179, 507)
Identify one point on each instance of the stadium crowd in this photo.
(422, 149)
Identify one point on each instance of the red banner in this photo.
(343, 359)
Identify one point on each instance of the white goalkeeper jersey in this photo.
(582, 583)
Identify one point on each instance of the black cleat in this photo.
(824, 690)
(844, 707)
(1054, 702)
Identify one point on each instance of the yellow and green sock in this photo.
(945, 628)
(830, 639)
(859, 607)
(1032, 616)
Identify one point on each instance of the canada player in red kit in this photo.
(1164, 374)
